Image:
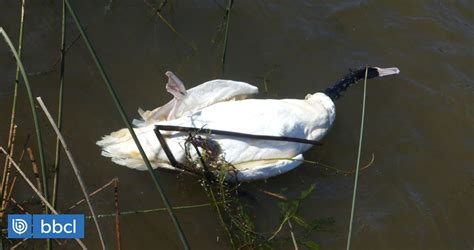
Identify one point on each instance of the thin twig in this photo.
(8, 193)
(57, 61)
(226, 35)
(91, 194)
(293, 238)
(35, 169)
(162, 5)
(235, 134)
(10, 190)
(74, 167)
(6, 200)
(32, 186)
(346, 172)
(274, 195)
(19, 243)
(144, 211)
(157, 12)
(222, 7)
(20, 207)
(117, 216)
(279, 227)
(8, 164)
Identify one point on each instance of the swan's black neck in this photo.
(334, 92)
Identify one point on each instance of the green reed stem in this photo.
(129, 126)
(39, 138)
(226, 35)
(358, 162)
(60, 107)
(144, 211)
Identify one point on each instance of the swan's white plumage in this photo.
(309, 119)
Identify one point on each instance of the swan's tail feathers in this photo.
(335, 91)
(133, 163)
(116, 137)
(119, 146)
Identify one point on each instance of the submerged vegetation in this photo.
(228, 199)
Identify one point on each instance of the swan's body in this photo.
(308, 118)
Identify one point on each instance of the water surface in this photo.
(418, 194)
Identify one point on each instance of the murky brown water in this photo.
(419, 193)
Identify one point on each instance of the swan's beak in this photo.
(387, 71)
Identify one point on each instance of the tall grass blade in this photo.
(349, 236)
(226, 35)
(129, 126)
(60, 106)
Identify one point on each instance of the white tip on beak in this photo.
(387, 71)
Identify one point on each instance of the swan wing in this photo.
(186, 102)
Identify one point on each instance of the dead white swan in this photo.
(221, 105)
